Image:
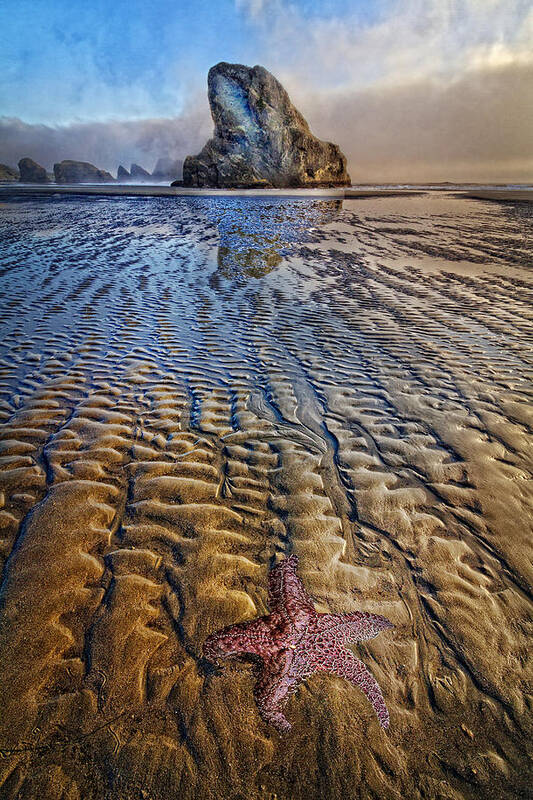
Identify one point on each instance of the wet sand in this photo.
(157, 190)
(163, 190)
(502, 196)
(191, 389)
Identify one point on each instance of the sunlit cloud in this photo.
(428, 90)
(408, 41)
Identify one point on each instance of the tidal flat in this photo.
(192, 388)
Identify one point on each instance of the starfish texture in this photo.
(294, 641)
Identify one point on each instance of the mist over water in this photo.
(423, 132)
(105, 144)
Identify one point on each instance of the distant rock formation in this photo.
(168, 169)
(123, 174)
(139, 173)
(260, 139)
(31, 171)
(8, 173)
(80, 172)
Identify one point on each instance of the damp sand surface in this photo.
(191, 388)
(481, 192)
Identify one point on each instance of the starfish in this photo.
(294, 641)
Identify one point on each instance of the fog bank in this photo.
(478, 127)
(105, 144)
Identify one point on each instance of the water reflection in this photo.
(256, 235)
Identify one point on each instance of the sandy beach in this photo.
(192, 388)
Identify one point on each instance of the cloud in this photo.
(107, 144)
(421, 90)
(476, 128)
(254, 9)
(404, 41)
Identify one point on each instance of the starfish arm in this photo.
(287, 595)
(244, 638)
(357, 626)
(294, 641)
(343, 663)
(272, 690)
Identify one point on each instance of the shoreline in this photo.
(147, 190)
(144, 190)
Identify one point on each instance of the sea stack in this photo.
(31, 171)
(260, 138)
(167, 169)
(8, 173)
(139, 173)
(80, 172)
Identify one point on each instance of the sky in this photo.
(411, 90)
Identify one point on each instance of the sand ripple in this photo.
(190, 388)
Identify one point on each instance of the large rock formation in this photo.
(139, 173)
(80, 172)
(123, 174)
(260, 138)
(8, 173)
(31, 171)
(167, 169)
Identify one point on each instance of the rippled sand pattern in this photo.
(190, 389)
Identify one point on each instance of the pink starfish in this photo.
(294, 641)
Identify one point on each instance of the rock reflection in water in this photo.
(255, 239)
